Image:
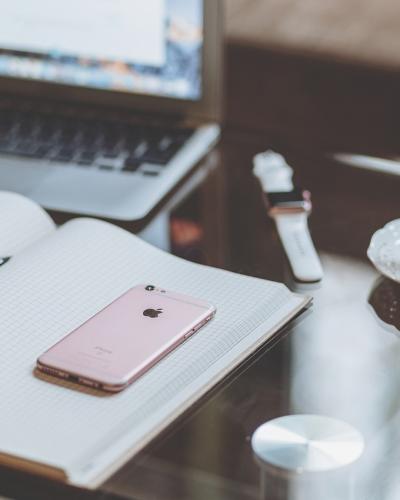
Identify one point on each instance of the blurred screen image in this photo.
(152, 47)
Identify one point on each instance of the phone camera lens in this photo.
(150, 288)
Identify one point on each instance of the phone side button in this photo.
(188, 334)
(90, 383)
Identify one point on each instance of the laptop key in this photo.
(111, 154)
(31, 150)
(141, 150)
(86, 157)
(131, 143)
(160, 157)
(25, 148)
(64, 155)
(131, 164)
(150, 173)
(165, 143)
(161, 151)
(42, 151)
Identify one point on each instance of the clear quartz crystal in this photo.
(384, 250)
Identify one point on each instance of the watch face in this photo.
(295, 200)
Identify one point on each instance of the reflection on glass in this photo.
(345, 365)
(385, 301)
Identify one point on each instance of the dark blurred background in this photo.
(320, 74)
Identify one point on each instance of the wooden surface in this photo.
(364, 31)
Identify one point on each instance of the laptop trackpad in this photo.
(79, 190)
(16, 175)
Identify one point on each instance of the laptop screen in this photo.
(151, 47)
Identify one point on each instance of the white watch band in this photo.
(273, 172)
(275, 175)
(299, 247)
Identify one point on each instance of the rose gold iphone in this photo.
(126, 338)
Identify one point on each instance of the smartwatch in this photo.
(289, 207)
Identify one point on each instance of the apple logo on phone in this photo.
(152, 313)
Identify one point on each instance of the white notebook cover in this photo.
(63, 278)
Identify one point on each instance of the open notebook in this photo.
(58, 278)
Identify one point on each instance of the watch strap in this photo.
(299, 247)
(275, 175)
(273, 172)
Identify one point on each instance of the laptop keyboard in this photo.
(103, 144)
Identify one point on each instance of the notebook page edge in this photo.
(22, 222)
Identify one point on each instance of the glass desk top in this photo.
(341, 358)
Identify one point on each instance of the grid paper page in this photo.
(21, 223)
(63, 280)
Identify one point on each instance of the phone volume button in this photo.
(188, 334)
(90, 383)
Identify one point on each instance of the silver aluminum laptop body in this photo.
(110, 185)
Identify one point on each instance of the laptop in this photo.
(105, 105)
